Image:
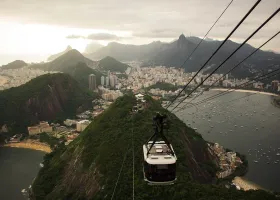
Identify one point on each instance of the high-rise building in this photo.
(102, 80)
(116, 80)
(92, 82)
(112, 81)
(107, 81)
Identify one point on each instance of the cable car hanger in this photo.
(160, 123)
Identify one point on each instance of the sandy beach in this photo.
(3, 80)
(245, 184)
(30, 144)
(248, 91)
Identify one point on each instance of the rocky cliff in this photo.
(47, 97)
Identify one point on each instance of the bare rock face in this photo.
(47, 97)
(4, 129)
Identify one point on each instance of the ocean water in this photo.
(18, 168)
(250, 125)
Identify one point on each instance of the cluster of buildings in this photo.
(141, 103)
(111, 80)
(17, 77)
(146, 76)
(109, 95)
(70, 128)
(163, 93)
(42, 127)
(227, 161)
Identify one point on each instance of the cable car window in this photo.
(162, 166)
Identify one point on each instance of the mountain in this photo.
(53, 57)
(81, 71)
(127, 52)
(47, 97)
(14, 65)
(109, 63)
(89, 167)
(174, 54)
(92, 47)
(70, 58)
(73, 63)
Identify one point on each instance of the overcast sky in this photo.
(36, 28)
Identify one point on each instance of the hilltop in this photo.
(109, 63)
(14, 65)
(54, 56)
(73, 63)
(68, 59)
(89, 166)
(47, 97)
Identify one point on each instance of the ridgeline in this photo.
(88, 167)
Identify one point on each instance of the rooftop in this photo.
(159, 154)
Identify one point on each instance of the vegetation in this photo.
(47, 97)
(164, 86)
(125, 76)
(109, 63)
(81, 72)
(89, 167)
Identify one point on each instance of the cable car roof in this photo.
(159, 154)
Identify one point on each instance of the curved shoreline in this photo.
(245, 184)
(29, 144)
(241, 90)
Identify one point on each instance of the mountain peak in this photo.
(182, 37)
(68, 48)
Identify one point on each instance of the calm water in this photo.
(18, 167)
(250, 125)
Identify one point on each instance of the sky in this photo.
(34, 29)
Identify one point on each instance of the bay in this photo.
(18, 168)
(249, 125)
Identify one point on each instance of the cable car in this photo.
(159, 166)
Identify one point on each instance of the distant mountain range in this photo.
(78, 66)
(175, 53)
(47, 97)
(14, 65)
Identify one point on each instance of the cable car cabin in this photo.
(159, 165)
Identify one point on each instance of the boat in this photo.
(256, 161)
(278, 154)
(241, 126)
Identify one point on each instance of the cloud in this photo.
(102, 36)
(145, 19)
(158, 33)
(74, 37)
(96, 36)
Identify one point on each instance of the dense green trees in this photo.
(89, 167)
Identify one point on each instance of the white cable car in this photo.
(159, 166)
